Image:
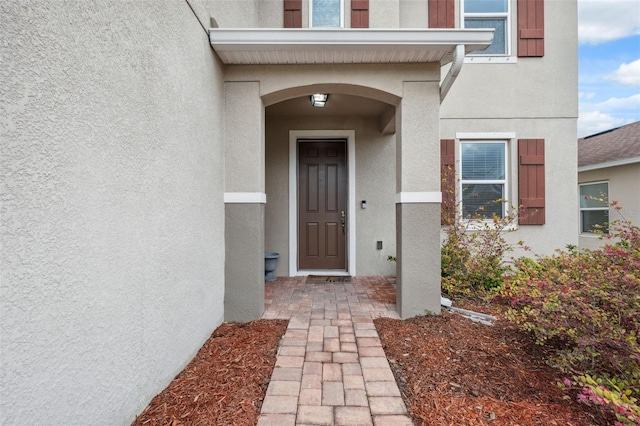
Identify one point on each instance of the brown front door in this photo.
(322, 204)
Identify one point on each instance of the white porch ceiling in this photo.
(268, 46)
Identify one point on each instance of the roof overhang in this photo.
(269, 46)
(615, 163)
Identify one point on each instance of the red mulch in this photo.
(452, 371)
(225, 383)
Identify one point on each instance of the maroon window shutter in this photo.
(531, 196)
(359, 13)
(293, 13)
(448, 181)
(441, 14)
(530, 28)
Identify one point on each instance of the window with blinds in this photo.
(483, 181)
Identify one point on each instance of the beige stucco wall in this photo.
(112, 231)
(532, 98)
(375, 183)
(281, 82)
(384, 14)
(530, 87)
(244, 136)
(413, 14)
(418, 268)
(560, 175)
(244, 265)
(240, 13)
(623, 188)
(269, 13)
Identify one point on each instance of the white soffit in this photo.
(269, 46)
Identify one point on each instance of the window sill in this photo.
(476, 225)
(592, 235)
(490, 59)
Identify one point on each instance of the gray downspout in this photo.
(456, 66)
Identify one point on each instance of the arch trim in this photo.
(342, 88)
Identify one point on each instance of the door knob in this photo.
(343, 219)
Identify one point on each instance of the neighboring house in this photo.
(148, 162)
(608, 171)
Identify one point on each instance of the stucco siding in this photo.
(531, 87)
(413, 14)
(270, 13)
(531, 98)
(560, 175)
(240, 13)
(244, 130)
(244, 267)
(384, 14)
(623, 188)
(282, 82)
(112, 210)
(418, 259)
(375, 183)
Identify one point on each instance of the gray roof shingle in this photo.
(612, 145)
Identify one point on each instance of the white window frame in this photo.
(505, 181)
(586, 209)
(341, 15)
(484, 58)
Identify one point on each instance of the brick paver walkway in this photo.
(331, 368)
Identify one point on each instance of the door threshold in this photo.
(323, 272)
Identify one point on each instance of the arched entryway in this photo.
(390, 115)
(340, 235)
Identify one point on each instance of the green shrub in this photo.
(588, 304)
(612, 393)
(472, 255)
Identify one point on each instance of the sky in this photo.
(608, 64)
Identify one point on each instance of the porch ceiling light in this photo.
(319, 99)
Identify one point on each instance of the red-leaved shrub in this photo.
(587, 303)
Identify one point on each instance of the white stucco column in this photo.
(244, 201)
(418, 199)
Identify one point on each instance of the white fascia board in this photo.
(475, 38)
(623, 162)
(270, 45)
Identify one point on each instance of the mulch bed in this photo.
(452, 371)
(225, 383)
